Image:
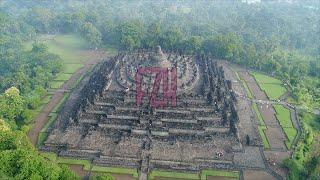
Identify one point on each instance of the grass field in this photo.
(284, 117)
(186, 175)
(259, 116)
(68, 47)
(172, 174)
(62, 77)
(271, 86)
(265, 141)
(219, 173)
(56, 84)
(116, 170)
(87, 166)
(155, 173)
(261, 127)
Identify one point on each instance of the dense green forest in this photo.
(280, 39)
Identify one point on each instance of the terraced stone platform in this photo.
(102, 122)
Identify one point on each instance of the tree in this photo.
(19, 159)
(296, 170)
(151, 40)
(103, 177)
(91, 34)
(41, 19)
(192, 45)
(11, 104)
(129, 35)
(171, 39)
(314, 68)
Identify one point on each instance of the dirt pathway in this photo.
(274, 131)
(42, 118)
(274, 156)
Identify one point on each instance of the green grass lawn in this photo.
(261, 127)
(259, 116)
(46, 99)
(86, 164)
(265, 141)
(71, 68)
(219, 173)
(56, 84)
(68, 47)
(261, 78)
(272, 87)
(172, 174)
(291, 134)
(245, 85)
(116, 170)
(62, 77)
(284, 118)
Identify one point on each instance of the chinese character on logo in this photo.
(169, 86)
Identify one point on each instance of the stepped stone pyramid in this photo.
(102, 122)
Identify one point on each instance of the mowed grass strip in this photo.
(259, 116)
(271, 86)
(71, 68)
(62, 77)
(264, 138)
(273, 91)
(116, 170)
(261, 78)
(68, 48)
(261, 127)
(219, 173)
(172, 174)
(291, 134)
(46, 99)
(86, 164)
(53, 157)
(56, 84)
(284, 117)
(245, 85)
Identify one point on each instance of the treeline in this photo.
(29, 72)
(277, 38)
(24, 75)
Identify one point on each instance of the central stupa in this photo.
(159, 59)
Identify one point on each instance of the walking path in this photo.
(43, 117)
(272, 155)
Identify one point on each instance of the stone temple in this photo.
(101, 121)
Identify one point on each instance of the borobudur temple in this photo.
(197, 128)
